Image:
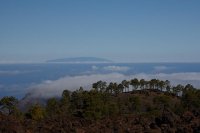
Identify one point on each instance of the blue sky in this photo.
(120, 30)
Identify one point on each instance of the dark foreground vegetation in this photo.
(134, 106)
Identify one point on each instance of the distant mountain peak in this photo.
(80, 60)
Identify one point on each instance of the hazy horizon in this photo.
(113, 62)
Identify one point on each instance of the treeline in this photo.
(135, 84)
(110, 100)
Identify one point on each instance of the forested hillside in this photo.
(133, 106)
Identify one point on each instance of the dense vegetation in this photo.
(129, 106)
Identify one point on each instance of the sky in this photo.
(120, 30)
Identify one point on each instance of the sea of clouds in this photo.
(109, 73)
(50, 88)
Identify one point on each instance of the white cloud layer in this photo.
(51, 88)
(15, 72)
(116, 68)
(95, 68)
(54, 88)
(160, 68)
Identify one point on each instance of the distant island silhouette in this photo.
(80, 60)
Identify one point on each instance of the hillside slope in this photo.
(149, 111)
